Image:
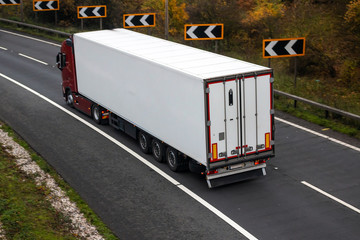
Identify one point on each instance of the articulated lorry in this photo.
(190, 108)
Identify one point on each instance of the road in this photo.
(311, 191)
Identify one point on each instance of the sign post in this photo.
(204, 32)
(46, 5)
(287, 47)
(91, 12)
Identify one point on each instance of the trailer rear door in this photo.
(239, 114)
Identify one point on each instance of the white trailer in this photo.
(210, 109)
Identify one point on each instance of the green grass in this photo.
(25, 213)
(317, 116)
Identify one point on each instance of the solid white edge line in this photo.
(218, 213)
(3, 48)
(331, 197)
(279, 119)
(319, 134)
(143, 160)
(31, 58)
(35, 39)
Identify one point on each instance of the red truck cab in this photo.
(66, 63)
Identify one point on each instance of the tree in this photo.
(177, 14)
(263, 15)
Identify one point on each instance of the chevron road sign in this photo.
(9, 2)
(139, 20)
(45, 5)
(286, 47)
(204, 31)
(92, 11)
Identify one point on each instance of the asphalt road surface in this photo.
(311, 191)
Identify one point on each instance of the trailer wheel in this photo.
(96, 114)
(158, 150)
(69, 99)
(144, 142)
(175, 160)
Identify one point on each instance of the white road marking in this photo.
(169, 178)
(3, 48)
(35, 39)
(31, 58)
(143, 160)
(331, 197)
(318, 134)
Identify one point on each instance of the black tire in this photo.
(144, 142)
(96, 113)
(158, 150)
(175, 160)
(69, 98)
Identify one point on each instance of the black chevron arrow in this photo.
(139, 20)
(9, 2)
(284, 47)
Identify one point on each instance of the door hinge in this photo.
(208, 123)
(271, 80)
(207, 90)
(272, 111)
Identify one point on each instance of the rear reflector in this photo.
(267, 140)
(214, 151)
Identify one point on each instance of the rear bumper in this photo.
(236, 175)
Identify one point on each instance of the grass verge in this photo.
(317, 116)
(24, 211)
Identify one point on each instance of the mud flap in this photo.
(236, 177)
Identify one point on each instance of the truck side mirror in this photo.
(61, 60)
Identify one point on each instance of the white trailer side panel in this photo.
(158, 86)
(165, 103)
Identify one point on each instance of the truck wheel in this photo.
(96, 113)
(69, 99)
(158, 150)
(175, 161)
(144, 142)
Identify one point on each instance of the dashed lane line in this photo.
(31, 58)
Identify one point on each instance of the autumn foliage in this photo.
(331, 28)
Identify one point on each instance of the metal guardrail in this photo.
(319, 105)
(36, 27)
(296, 98)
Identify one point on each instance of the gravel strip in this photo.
(2, 232)
(57, 197)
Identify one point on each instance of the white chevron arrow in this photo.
(37, 5)
(95, 12)
(288, 47)
(208, 31)
(269, 48)
(128, 20)
(13, 1)
(49, 5)
(82, 12)
(191, 30)
(2, 2)
(143, 20)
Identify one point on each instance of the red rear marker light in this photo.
(257, 162)
(212, 172)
